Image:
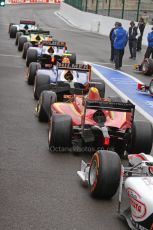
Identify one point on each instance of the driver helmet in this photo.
(68, 76)
(38, 38)
(49, 38)
(66, 60)
(26, 27)
(93, 94)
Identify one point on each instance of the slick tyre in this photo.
(31, 56)
(147, 67)
(73, 58)
(21, 42)
(42, 82)
(104, 174)
(46, 99)
(60, 133)
(11, 24)
(141, 138)
(13, 31)
(25, 49)
(18, 34)
(33, 67)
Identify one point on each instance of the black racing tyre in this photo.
(18, 34)
(46, 99)
(31, 56)
(21, 42)
(104, 174)
(13, 31)
(115, 99)
(151, 87)
(100, 86)
(72, 58)
(141, 138)
(60, 133)
(25, 49)
(147, 66)
(11, 24)
(33, 67)
(42, 82)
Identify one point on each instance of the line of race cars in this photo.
(80, 118)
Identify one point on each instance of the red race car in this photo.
(90, 122)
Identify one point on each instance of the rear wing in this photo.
(112, 106)
(45, 32)
(27, 22)
(79, 67)
(54, 43)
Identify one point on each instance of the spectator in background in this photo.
(120, 38)
(141, 26)
(149, 50)
(134, 33)
(112, 42)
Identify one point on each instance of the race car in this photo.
(23, 27)
(94, 122)
(35, 37)
(146, 89)
(61, 79)
(146, 67)
(104, 174)
(48, 53)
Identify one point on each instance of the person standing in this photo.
(141, 26)
(134, 33)
(120, 38)
(112, 42)
(149, 50)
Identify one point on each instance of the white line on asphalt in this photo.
(10, 55)
(138, 108)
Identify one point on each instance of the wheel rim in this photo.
(93, 173)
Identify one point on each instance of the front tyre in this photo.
(104, 174)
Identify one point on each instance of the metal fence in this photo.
(125, 9)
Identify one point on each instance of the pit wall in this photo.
(94, 22)
(32, 1)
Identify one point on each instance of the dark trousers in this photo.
(149, 52)
(139, 43)
(118, 56)
(133, 47)
(112, 52)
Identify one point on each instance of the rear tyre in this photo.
(13, 31)
(21, 42)
(73, 58)
(33, 67)
(25, 49)
(147, 66)
(11, 24)
(31, 56)
(141, 138)
(104, 174)
(47, 98)
(18, 34)
(60, 133)
(42, 82)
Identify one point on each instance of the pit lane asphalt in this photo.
(40, 190)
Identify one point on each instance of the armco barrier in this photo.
(32, 1)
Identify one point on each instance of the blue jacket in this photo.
(120, 37)
(150, 39)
